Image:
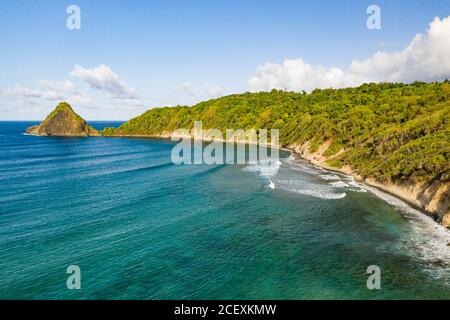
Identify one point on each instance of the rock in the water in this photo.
(63, 121)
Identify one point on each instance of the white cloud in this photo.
(101, 80)
(51, 91)
(192, 94)
(427, 58)
(20, 91)
(296, 75)
(63, 90)
(105, 79)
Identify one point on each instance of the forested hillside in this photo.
(388, 131)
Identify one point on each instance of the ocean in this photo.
(140, 227)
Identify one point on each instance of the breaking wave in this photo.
(428, 242)
(266, 169)
(297, 176)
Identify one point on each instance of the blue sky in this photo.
(173, 52)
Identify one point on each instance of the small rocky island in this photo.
(63, 121)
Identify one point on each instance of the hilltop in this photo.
(63, 121)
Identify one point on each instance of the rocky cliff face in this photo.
(63, 121)
(431, 196)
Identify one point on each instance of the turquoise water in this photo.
(140, 227)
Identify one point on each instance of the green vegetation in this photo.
(62, 107)
(388, 131)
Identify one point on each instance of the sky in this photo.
(130, 56)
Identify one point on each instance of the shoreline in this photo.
(314, 159)
(410, 195)
(358, 179)
(392, 190)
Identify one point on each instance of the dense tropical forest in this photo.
(388, 131)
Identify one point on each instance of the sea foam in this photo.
(428, 242)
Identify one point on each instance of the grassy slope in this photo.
(390, 132)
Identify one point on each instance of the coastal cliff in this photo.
(63, 121)
(432, 196)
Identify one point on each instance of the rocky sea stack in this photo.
(63, 121)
